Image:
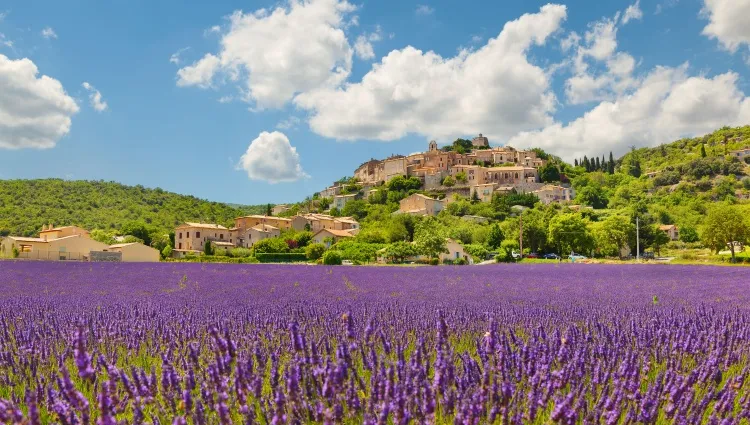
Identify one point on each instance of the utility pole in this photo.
(637, 239)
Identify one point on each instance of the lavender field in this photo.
(265, 344)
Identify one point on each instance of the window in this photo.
(25, 248)
(180, 235)
(221, 236)
(180, 245)
(187, 235)
(198, 234)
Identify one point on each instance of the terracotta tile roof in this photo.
(204, 225)
(23, 239)
(667, 227)
(222, 243)
(338, 233)
(265, 217)
(120, 245)
(264, 228)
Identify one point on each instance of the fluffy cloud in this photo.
(633, 12)
(599, 71)
(49, 33)
(668, 104)
(35, 112)
(279, 53)
(494, 90)
(728, 22)
(424, 10)
(175, 58)
(271, 158)
(95, 98)
(363, 45)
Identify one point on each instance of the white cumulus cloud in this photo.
(279, 53)
(424, 10)
(49, 33)
(363, 46)
(667, 104)
(633, 12)
(35, 112)
(270, 157)
(95, 98)
(495, 90)
(728, 22)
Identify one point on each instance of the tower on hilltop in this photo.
(480, 142)
(433, 146)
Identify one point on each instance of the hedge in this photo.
(279, 257)
(213, 259)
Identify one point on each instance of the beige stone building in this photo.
(192, 237)
(740, 154)
(672, 231)
(73, 247)
(484, 191)
(254, 220)
(52, 232)
(340, 201)
(480, 141)
(136, 252)
(418, 204)
(324, 236)
(553, 193)
(317, 222)
(279, 209)
(394, 166)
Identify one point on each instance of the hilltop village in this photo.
(478, 173)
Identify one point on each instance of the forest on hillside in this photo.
(26, 205)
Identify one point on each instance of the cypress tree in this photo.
(703, 150)
(586, 163)
(611, 163)
(598, 165)
(575, 162)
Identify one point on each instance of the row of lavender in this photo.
(204, 344)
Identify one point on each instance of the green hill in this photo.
(26, 205)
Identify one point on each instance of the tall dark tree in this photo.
(703, 150)
(598, 165)
(575, 162)
(586, 163)
(269, 210)
(611, 163)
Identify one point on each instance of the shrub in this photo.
(332, 258)
(281, 257)
(434, 261)
(271, 245)
(461, 262)
(240, 252)
(14, 252)
(315, 251)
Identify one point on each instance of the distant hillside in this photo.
(25, 205)
(683, 151)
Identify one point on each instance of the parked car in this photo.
(575, 257)
(648, 255)
(516, 255)
(532, 255)
(551, 256)
(347, 263)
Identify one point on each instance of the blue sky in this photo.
(259, 101)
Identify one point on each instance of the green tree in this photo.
(611, 164)
(430, 238)
(569, 232)
(315, 251)
(703, 150)
(461, 177)
(356, 208)
(138, 229)
(448, 181)
(166, 252)
(332, 258)
(534, 230)
(399, 251)
(549, 173)
(688, 234)
(207, 248)
(401, 183)
(612, 235)
(592, 196)
(303, 238)
(271, 245)
(725, 225)
(660, 239)
(103, 236)
(495, 237)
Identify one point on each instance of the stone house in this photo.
(418, 204)
(672, 231)
(192, 237)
